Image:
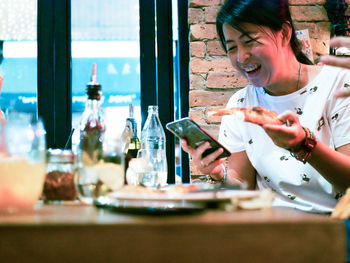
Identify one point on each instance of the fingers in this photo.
(275, 128)
(207, 163)
(336, 61)
(191, 150)
(340, 42)
(211, 158)
(337, 42)
(342, 93)
(288, 117)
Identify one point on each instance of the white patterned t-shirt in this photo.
(295, 184)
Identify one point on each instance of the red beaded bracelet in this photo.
(304, 151)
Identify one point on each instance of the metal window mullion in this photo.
(165, 77)
(184, 76)
(54, 70)
(62, 72)
(46, 85)
(147, 56)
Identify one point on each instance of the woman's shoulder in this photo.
(326, 70)
(326, 74)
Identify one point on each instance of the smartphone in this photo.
(195, 135)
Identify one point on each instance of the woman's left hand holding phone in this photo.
(208, 164)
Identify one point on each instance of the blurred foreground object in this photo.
(22, 161)
(2, 115)
(340, 25)
(261, 201)
(342, 209)
(59, 182)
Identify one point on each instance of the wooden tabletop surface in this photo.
(72, 233)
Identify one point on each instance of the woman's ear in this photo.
(286, 33)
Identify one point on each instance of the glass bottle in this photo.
(134, 143)
(100, 160)
(153, 143)
(92, 125)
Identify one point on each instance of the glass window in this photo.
(106, 33)
(18, 55)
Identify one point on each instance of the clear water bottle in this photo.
(153, 144)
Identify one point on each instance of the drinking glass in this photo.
(104, 176)
(146, 174)
(22, 161)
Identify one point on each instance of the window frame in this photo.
(156, 63)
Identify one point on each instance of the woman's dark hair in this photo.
(269, 13)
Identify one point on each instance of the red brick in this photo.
(198, 65)
(196, 82)
(208, 98)
(195, 15)
(320, 46)
(221, 65)
(226, 80)
(214, 48)
(209, 115)
(308, 13)
(197, 114)
(210, 14)
(212, 130)
(199, 3)
(323, 29)
(306, 2)
(307, 25)
(347, 12)
(197, 49)
(202, 31)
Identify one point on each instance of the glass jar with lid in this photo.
(59, 182)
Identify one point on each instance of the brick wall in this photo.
(212, 78)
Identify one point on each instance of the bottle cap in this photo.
(93, 87)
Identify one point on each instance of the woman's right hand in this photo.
(208, 164)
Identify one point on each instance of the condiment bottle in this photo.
(100, 161)
(59, 180)
(92, 125)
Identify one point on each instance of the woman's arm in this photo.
(333, 165)
(240, 170)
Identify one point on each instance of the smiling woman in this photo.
(303, 158)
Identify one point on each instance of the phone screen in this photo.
(195, 136)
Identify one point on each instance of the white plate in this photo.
(220, 195)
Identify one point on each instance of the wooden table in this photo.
(75, 233)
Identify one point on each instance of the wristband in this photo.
(308, 144)
(223, 180)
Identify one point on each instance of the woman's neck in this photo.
(289, 79)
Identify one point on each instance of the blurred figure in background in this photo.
(338, 61)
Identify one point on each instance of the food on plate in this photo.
(167, 189)
(257, 115)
